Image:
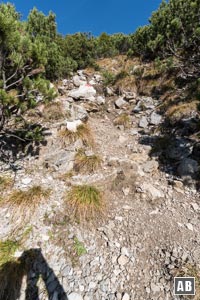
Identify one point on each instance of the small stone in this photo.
(124, 251)
(155, 119)
(126, 297)
(189, 226)
(100, 100)
(120, 103)
(195, 206)
(155, 288)
(26, 181)
(143, 122)
(75, 296)
(123, 260)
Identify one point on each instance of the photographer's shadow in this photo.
(33, 265)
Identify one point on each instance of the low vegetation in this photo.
(53, 111)
(86, 202)
(5, 183)
(83, 132)
(79, 247)
(123, 119)
(86, 163)
(7, 250)
(23, 203)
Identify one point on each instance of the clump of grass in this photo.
(79, 247)
(83, 132)
(30, 197)
(24, 203)
(86, 202)
(86, 163)
(66, 176)
(53, 111)
(122, 119)
(5, 183)
(7, 250)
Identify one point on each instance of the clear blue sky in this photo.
(93, 16)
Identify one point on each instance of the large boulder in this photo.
(84, 92)
(77, 81)
(188, 167)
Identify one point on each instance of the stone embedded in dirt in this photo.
(77, 81)
(100, 100)
(155, 288)
(126, 297)
(78, 112)
(26, 180)
(122, 260)
(152, 192)
(150, 166)
(190, 226)
(75, 296)
(155, 119)
(120, 102)
(143, 123)
(109, 92)
(84, 92)
(187, 167)
(130, 95)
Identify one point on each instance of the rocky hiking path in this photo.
(150, 231)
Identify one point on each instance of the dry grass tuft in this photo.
(86, 202)
(83, 132)
(123, 119)
(5, 183)
(86, 163)
(24, 203)
(53, 111)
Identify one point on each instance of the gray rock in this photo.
(122, 260)
(143, 122)
(121, 102)
(153, 192)
(155, 288)
(155, 119)
(100, 100)
(85, 92)
(109, 92)
(75, 296)
(187, 167)
(77, 81)
(150, 166)
(78, 113)
(126, 297)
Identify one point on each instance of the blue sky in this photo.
(98, 16)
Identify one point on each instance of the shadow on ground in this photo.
(17, 144)
(32, 266)
(177, 149)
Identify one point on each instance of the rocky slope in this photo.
(150, 231)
